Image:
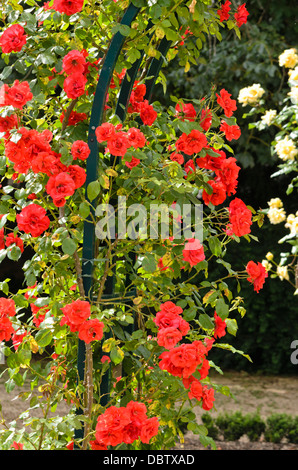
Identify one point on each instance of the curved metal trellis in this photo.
(89, 242)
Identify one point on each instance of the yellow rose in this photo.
(275, 202)
(285, 149)
(288, 58)
(251, 94)
(268, 117)
(282, 272)
(293, 94)
(269, 256)
(293, 75)
(276, 216)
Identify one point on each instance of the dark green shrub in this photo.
(210, 424)
(278, 426)
(293, 433)
(254, 426)
(231, 425)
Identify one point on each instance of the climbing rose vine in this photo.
(159, 303)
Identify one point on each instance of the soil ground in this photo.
(266, 394)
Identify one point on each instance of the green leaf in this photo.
(117, 355)
(84, 210)
(222, 309)
(215, 246)
(206, 322)
(14, 253)
(44, 337)
(232, 326)
(69, 246)
(93, 190)
(149, 263)
(24, 356)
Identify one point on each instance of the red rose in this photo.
(193, 252)
(139, 91)
(7, 307)
(95, 445)
(257, 274)
(208, 398)
(17, 445)
(170, 307)
(183, 360)
(240, 218)
(7, 123)
(218, 194)
(74, 85)
(39, 314)
(186, 111)
(11, 239)
(206, 119)
(228, 174)
(168, 337)
(196, 390)
(177, 157)
(18, 94)
(241, 15)
(6, 329)
(91, 330)
(75, 314)
(149, 429)
(2, 239)
(189, 167)
(147, 113)
(137, 411)
(74, 118)
(74, 62)
(212, 163)
(224, 100)
(110, 425)
(69, 7)
(136, 97)
(17, 339)
(204, 369)
(33, 219)
(220, 326)
(104, 132)
(136, 138)
(43, 162)
(78, 174)
(59, 187)
(167, 319)
(224, 11)
(80, 150)
(191, 143)
(231, 132)
(133, 162)
(13, 39)
(118, 144)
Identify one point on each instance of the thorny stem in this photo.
(88, 370)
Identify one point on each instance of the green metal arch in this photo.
(88, 252)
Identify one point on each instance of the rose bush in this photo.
(284, 150)
(148, 341)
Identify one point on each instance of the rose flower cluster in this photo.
(188, 358)
(223, 173)
(119, 141)
(77, 316)
(125, 424)
(7, 310)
